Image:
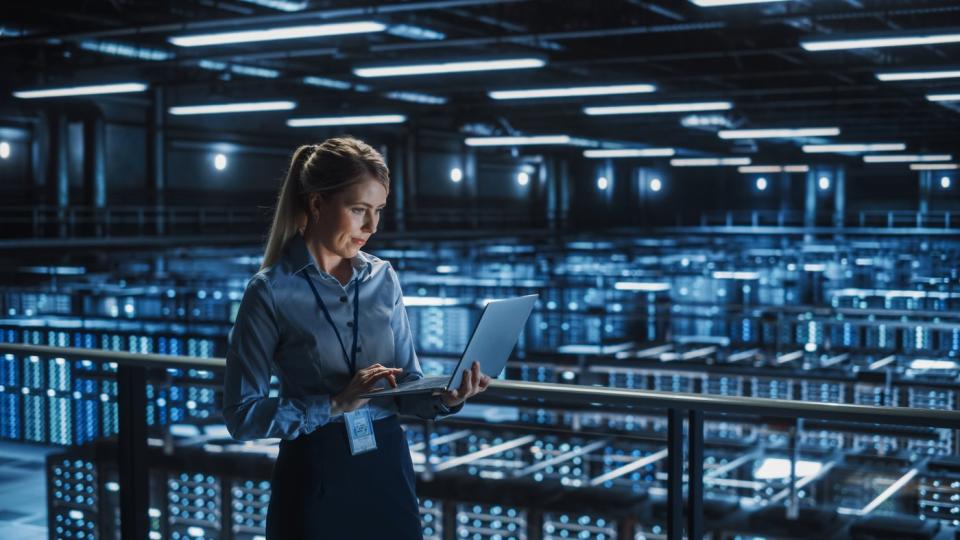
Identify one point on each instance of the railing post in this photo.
(695, 486)
(132, 451)
(793, 501)
(674, 474)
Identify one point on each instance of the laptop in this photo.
(492, 342)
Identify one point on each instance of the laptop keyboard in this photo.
(426, 382)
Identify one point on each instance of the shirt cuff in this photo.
(317, 412)
(443, 410)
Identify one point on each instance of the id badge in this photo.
(360, 431)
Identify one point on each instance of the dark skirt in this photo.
(321, 491)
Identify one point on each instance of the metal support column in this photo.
(132, 451)
(784, 192)
(839, 196)
(393, 154)
(923, 207)
(695, 486)
(94, 169)
(471, 184)
(548, 183)
(810, 204)
(58, 171)
(675, 474)
(563, 184)
(156, 158)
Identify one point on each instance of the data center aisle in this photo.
(23, 492)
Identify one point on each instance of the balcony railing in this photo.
(131, 373)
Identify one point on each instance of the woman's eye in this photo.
(358, 211)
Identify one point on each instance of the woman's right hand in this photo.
(363, 381)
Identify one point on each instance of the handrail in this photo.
(579, 394)
(132, 434)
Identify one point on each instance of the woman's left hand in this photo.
(472, 383)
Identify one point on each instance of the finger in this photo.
(371, 376)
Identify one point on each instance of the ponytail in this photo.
(290, 210)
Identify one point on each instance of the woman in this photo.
(328, 320)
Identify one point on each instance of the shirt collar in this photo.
(297, 257)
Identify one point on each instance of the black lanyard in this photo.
(351, 360)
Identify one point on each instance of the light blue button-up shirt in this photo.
(280, 330)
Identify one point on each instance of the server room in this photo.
(707, 251)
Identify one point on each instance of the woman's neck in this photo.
(328, 261)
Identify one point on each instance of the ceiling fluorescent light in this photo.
(871, 42)
(629, 152)
(660, 108)
(906, 158)
(943, 97)
(934, 166)
(415, 32)
(234, 107)
(91, 90)
(760, 169)
(918, 75)
(327, 83)
(449, 67)
(573, 91)
(853, 148)
(517, 141)
(281, 5)
(720, 3)
(778, 133)
(127, 51)
(274, 34)
(709, 162)
(774, 169)
(417, 97)
(347, 120)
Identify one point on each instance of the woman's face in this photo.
(349, 218)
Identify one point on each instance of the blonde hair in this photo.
(328, 168)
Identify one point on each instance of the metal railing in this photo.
(34, 222)
(132, 436)
(23, 222)
(874, 219)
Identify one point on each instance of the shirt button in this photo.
(359, 348)
(343, 299)
(349, 324)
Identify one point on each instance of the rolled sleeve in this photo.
(424, 406)
(248, 409)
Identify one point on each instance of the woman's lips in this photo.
(359, 242)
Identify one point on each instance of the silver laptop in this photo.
(492, 342)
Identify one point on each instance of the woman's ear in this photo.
(315, 202)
